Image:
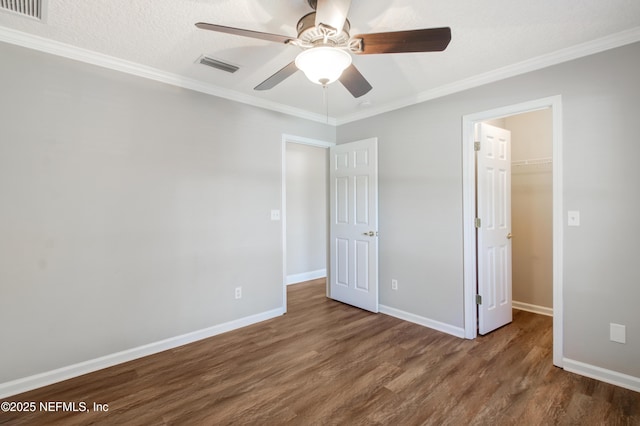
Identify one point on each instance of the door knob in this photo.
(369, 234)
(509, 236)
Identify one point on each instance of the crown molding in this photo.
(57, 48)
(563, 55)
(42, 44)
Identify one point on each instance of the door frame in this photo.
(468, 211)
(286, 138)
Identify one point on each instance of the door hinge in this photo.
(476, 146)
(477, 222)
(478, 299)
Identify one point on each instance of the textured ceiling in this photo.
(487, 36)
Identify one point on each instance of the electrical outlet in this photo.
(394, 284)
(573, 218)
(238, 292)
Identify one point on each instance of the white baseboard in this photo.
(426, 322)
(532, 308)
(602, 374)
(306, 276)
(47, 378)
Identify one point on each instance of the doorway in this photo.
(469, 203)
(532, 209)
(304, 212)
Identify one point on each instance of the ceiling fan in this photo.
(327, 46)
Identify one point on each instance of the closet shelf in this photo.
(542, 162)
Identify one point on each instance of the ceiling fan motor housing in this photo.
(309, 33)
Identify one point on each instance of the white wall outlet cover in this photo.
(275, 214)
(573, 218)
(618, 333)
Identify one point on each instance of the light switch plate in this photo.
(573, 218)
(275, 214)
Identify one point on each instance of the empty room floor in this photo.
(326, 363)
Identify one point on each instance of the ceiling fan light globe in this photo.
(324, 64)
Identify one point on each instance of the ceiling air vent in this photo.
(214, 63)
(31, 8)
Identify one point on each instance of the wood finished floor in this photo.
(325, 363)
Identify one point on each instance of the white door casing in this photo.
(494, 231)
(353, 218)
(469, 213)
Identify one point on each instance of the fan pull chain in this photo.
(325, 100)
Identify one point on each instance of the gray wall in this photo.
(307, 169)
(421, 199)
(129, 210)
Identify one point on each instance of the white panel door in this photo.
(353, 231)
(494, 232)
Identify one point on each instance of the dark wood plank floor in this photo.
(325, 363)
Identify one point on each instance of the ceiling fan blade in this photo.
(245, 33)
(278, 77)
(355, 82)
(426, 40)
(332, 13)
